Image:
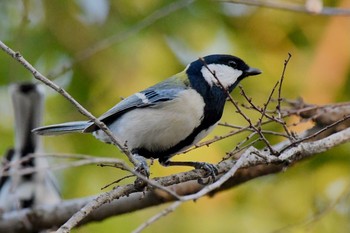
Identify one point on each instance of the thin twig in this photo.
(279, 5)
(249, 129)
(82, 162)
(293, 144)
(215, 139)
(279, 99)
(96, 203)
(257, 129)
(240, 148)
(261, 110)
(116, 181)
(161, 214)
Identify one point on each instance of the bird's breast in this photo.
(161, 126)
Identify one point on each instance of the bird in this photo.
(171, 116)
(28, 190)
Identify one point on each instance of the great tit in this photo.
(24, 191)
(171, 116)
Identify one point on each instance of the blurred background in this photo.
(101, 51)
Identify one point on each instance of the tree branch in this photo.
(279, 5)
(258, 163)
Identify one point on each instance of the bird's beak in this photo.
(252, 71)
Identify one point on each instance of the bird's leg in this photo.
(143, 169)
(142, 166)
(210, 169)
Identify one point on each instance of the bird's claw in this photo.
(211, 172)
(143, 170)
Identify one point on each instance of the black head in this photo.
(227, 68)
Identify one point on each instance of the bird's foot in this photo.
(211, 172)
(143, 169)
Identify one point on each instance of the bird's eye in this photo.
(233, 64)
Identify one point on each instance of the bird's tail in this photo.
(64, 128)
(28, 104)
(19, 191)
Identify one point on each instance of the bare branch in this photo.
(184, 184)
(279, 5)
(161, 214)
(92, 205)
(279, 99)
(293, 144)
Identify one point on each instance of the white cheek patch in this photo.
(226, 74)
(142, 97)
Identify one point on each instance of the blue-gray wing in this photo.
(159, 93)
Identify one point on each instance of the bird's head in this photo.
(221, 69)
